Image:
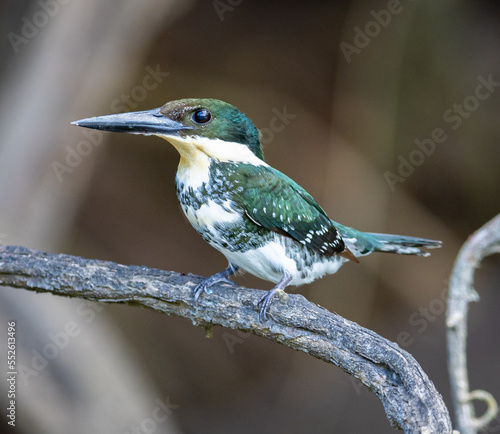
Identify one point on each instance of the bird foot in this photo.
(204, 286)
(265, 301)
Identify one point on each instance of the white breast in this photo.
(268, 262)
(194, 173)
(211, 214)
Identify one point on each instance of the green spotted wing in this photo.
(274, 201)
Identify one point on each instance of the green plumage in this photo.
(276, 202)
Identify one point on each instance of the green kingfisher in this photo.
(262, 221)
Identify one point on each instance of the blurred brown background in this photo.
(361, 82)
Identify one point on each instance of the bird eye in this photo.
(202, 116)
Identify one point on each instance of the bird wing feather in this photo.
(276, 202)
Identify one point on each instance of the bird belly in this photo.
(272, 259)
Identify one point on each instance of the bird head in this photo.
(210, 126)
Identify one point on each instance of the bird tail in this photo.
(401, 244)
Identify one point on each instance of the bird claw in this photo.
(200, 288)
(205, 285)
(265, 303)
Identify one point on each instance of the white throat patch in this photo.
(214, 148)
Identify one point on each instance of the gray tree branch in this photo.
(410, 399)
(484, 242)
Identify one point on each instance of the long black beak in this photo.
(146, 122)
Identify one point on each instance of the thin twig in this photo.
(410, 399)
(484, 242)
